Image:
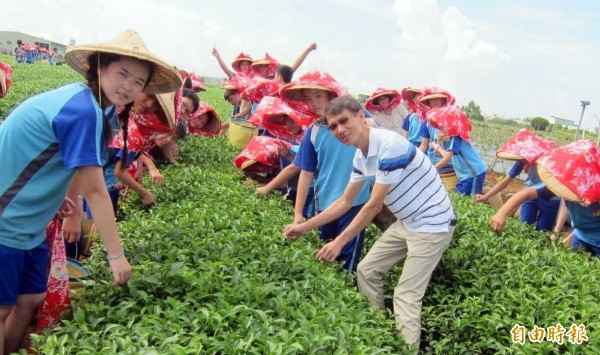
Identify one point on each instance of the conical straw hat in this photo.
(167, 102)
(164, 77)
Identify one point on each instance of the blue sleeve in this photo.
(454, 144)
(367, 113)
(516, 169)
(79, 132)
(406, 123)
(424, 130)
(306, 159)
(543, 191)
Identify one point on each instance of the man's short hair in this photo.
(285, 72)
(19, 41)
(337, 105)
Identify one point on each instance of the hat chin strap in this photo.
(99, 84)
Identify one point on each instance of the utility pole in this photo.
(583, 105)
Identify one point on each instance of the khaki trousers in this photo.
(422, 251)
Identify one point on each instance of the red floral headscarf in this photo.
(136, 141)
(197, 82)
(149, 124)
(409, 95)
(213, 125)
(259, 88)
(261, 155)
(271, 62)
(394, 101)
(242, 57)
(5, 78)
(291, 93)
(525, 145)
(572, 171)
(238, 82)
(450, 120)
(274, 106)
(422, 102)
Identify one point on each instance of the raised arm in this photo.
(222, 64)
(303, 55)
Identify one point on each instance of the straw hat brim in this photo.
(167, 103)
(164, 77)
(387, 93)
(433, 96)
(295, 93)
(247, 164)
(509, 156)
(557, 187)
(260, 62)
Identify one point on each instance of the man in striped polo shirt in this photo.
(406, 181)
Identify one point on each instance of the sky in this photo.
(514, 58)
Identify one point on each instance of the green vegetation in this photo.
(213, 274)
(539, 123)
(473, 111)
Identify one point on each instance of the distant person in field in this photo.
(454, 126)
(20, 52)
(57, 57)
(387, 109)
(406, 182)
(571, 172)
(525, 148)
(54, 145)
(326, 160)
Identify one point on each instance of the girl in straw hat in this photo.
(524, 149)
(454, 125)
(388, 111)
(53, 145)
(412, 122)
(571, 172)
(326, 159)
(427, 99)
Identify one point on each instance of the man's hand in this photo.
(330, 251)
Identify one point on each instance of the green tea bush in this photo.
(213, 274)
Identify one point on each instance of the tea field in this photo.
(212, 274)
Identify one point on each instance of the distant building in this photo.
(562, 121)
(8, 42)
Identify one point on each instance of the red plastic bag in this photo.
(58, 298)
